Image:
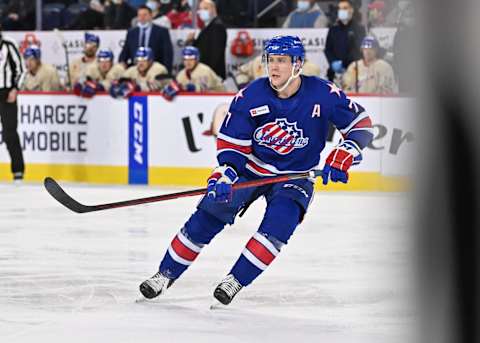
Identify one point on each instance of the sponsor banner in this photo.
(138, 140)
(53, 51)
(66, 129)
(159, 142)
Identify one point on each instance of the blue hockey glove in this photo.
(90, 88)
(339, 161)
(337, 66)
(115, 89)
(171, 90)
(219, 186)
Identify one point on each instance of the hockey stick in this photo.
(67, 61)
(57, 192)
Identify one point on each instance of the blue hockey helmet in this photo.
(105, 55)
(91, 38)
(370, 42)
(191, 52)
(144, 53)
(33, 51)
(285, 45)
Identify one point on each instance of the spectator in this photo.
(40, 76)
(343, 40)
(145, 70)
(376, 14)
(147, 34)
(20, 15)
(254, 69)
(100, 75)
(307, 14)
(370, 74)
(196, 76)
(181, 16)
(118, 14)
(212, 39)
(78, 66)
(165, 6)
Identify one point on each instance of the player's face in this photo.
(189, 63)
(90, 49)
(369, 54)
(104, 65)
(143, 65)
(32, 64)
(280, 69)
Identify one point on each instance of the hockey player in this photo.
(40, 76)
(370, 74)
(197, 76)
(78, 66)
(139, 77)
(99, 75)
(277, 125)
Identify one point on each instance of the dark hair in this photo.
(349, 1)
(144, 7)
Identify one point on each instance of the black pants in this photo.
(9, 119)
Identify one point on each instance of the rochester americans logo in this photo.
(281, 136)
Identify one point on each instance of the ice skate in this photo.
(227, 289)
(155, 285)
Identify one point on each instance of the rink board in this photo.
(148, 140)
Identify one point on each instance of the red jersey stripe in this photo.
(365, 122)
(221, 144)
(259, 169)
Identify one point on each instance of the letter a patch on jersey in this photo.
(316, 111)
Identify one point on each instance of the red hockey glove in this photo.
(339, 161)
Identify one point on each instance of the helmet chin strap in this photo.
(287, 83)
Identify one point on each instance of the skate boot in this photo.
(155, 285)
(227, 289)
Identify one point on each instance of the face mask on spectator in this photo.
(153, 5)
(165, 2)
(204, 15)
(143, 26)
(343, 15)
(303, 5)
(191, 3)
(117, 2)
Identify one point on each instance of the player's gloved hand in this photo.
(89, 89)
(339, 161)
(219, 186)
(78, 88)
(127, 88)
(337, 66)
(171, 90)
(190, 87)
(115, 89)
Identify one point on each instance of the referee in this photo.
(12, 72)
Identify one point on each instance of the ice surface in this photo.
(345, 276)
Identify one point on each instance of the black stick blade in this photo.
(54, 189)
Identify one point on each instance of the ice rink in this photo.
(345, 276)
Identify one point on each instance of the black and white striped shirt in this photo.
(12, 68)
